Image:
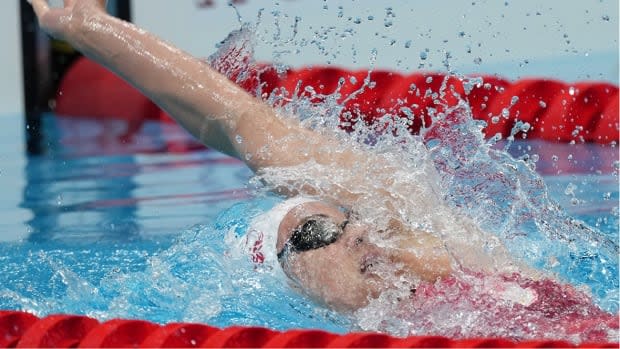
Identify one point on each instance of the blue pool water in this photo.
(119, 228)
(95, 218)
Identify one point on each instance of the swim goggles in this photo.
(316, 232)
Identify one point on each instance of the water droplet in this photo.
(577, 130)
(554, 158)
(408, 44)
(429, 79)
(542, 104)
(514, 100)
(525, 126)
(570, 189)
(478, 60)
(423, 55)
(353, 80)
(571, 91)
(373, 56)
(370, 18)
(495, 119)
(505, 112)
(239, 139)
(357, 20)
(605, 18)
(553, 262)
(607, 196)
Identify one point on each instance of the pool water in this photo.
(115, 227)
(106, 214)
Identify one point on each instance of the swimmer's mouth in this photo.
(365, 266)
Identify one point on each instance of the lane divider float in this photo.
(24, 330)
(556, 111)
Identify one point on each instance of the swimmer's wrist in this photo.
(85, 33)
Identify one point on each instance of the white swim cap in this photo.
(260, 241)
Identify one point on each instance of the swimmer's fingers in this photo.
(98, 3)
(40, 7)
(60, 22)
(47, 15)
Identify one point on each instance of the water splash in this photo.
(477, 191)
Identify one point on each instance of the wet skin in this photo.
(349, 272)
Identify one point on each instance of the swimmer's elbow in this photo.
(264, 140)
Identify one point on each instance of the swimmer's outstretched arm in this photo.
(215, 110)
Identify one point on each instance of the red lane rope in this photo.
(24, 330)
(556, 111)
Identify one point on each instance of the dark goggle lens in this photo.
(311, 236)
(315, 233)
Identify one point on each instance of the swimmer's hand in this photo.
(63, 22)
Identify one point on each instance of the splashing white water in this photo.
(450, 182)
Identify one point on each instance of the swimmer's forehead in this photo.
(299, 213)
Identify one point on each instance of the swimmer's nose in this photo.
(354, 236)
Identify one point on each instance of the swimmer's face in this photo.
(329, 255)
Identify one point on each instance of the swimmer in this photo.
(319, 236)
